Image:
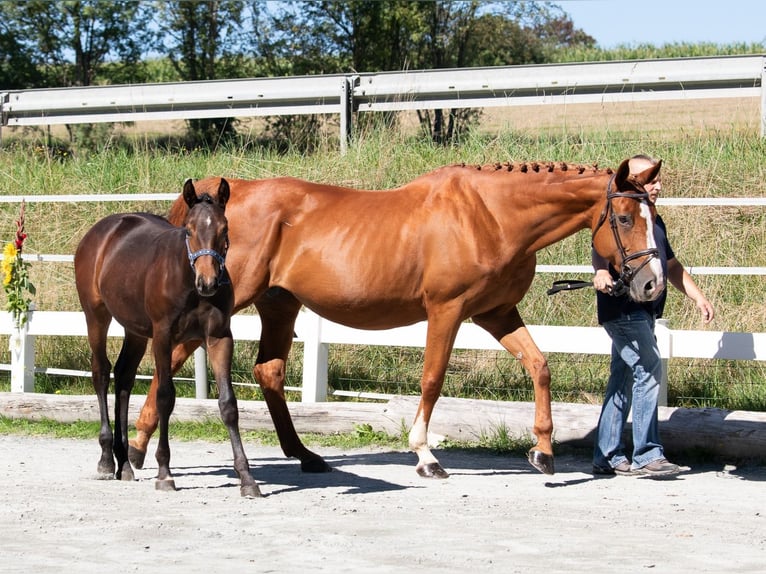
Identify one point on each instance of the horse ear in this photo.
(189, 193)
(223, 193)
(637, 180)
(622, 174)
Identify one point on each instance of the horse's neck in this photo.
(548, 201)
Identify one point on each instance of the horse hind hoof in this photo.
(136, 457)
(250, 491)
(541, 461)
(167, 485)
(432, 470)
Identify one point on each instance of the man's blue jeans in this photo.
(634, 379)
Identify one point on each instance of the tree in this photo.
(70, 40)
(371, 36)
(201, 41)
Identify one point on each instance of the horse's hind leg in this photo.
(220, 352)
(148, 419)
(133, 349)
(278, 310)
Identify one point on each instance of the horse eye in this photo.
(624, 220)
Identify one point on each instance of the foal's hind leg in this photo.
(278, 310)
(220, 353)
(133, 349)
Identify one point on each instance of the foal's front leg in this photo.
(220, 352)
(166, 401)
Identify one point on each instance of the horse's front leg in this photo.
(166, 400)
(148, 418)
(510, 331)
(442, 329)
(220, 352)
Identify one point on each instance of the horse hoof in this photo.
(136, 457)
(541, 461)
(432, 470)
(105, 471)
(127, 474)
(315, 465)
(167, 484)
(250, 491)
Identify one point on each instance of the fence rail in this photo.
(317, 334)
(344, 94)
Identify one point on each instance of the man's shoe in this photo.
(658, 468)
(622, 469)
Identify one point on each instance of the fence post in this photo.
(22, 347)
(665, 345)
(200, 373)
(315, 361)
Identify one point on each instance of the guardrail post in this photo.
(315, 361)
(665, 345)
(200, 373)
(22, 347)
(346, 110)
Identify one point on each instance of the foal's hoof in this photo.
(167, 484)
(126, 474)
(315, 465)
(541, 461)
(250, 491)
(432, 470)
(105, 470)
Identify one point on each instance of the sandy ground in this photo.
(371, 514)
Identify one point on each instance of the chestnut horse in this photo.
(169, 284)
(456, 243)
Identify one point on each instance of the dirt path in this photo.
(371, 514)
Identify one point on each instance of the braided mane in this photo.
(537, 167)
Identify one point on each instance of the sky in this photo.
(657, 22)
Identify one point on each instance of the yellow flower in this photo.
(9, 253)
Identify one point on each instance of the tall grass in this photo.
(724, 161)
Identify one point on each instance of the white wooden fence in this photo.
(317, 334)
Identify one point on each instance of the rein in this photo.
(622, 284)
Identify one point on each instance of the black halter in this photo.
(194, 255)
(627, 273)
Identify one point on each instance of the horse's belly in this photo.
(369, 314)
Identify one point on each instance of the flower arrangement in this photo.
(15, 273)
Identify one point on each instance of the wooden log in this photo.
(734, 434)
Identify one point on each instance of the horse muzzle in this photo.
(647, 284)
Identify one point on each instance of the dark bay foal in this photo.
(168, 284)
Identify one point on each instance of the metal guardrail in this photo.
(344, 94)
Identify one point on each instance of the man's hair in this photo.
(645, 157)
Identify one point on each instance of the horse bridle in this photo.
(194, 255)
(621, 285)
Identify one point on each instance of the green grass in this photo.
(721, 163)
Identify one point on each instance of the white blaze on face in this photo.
(654, 264)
